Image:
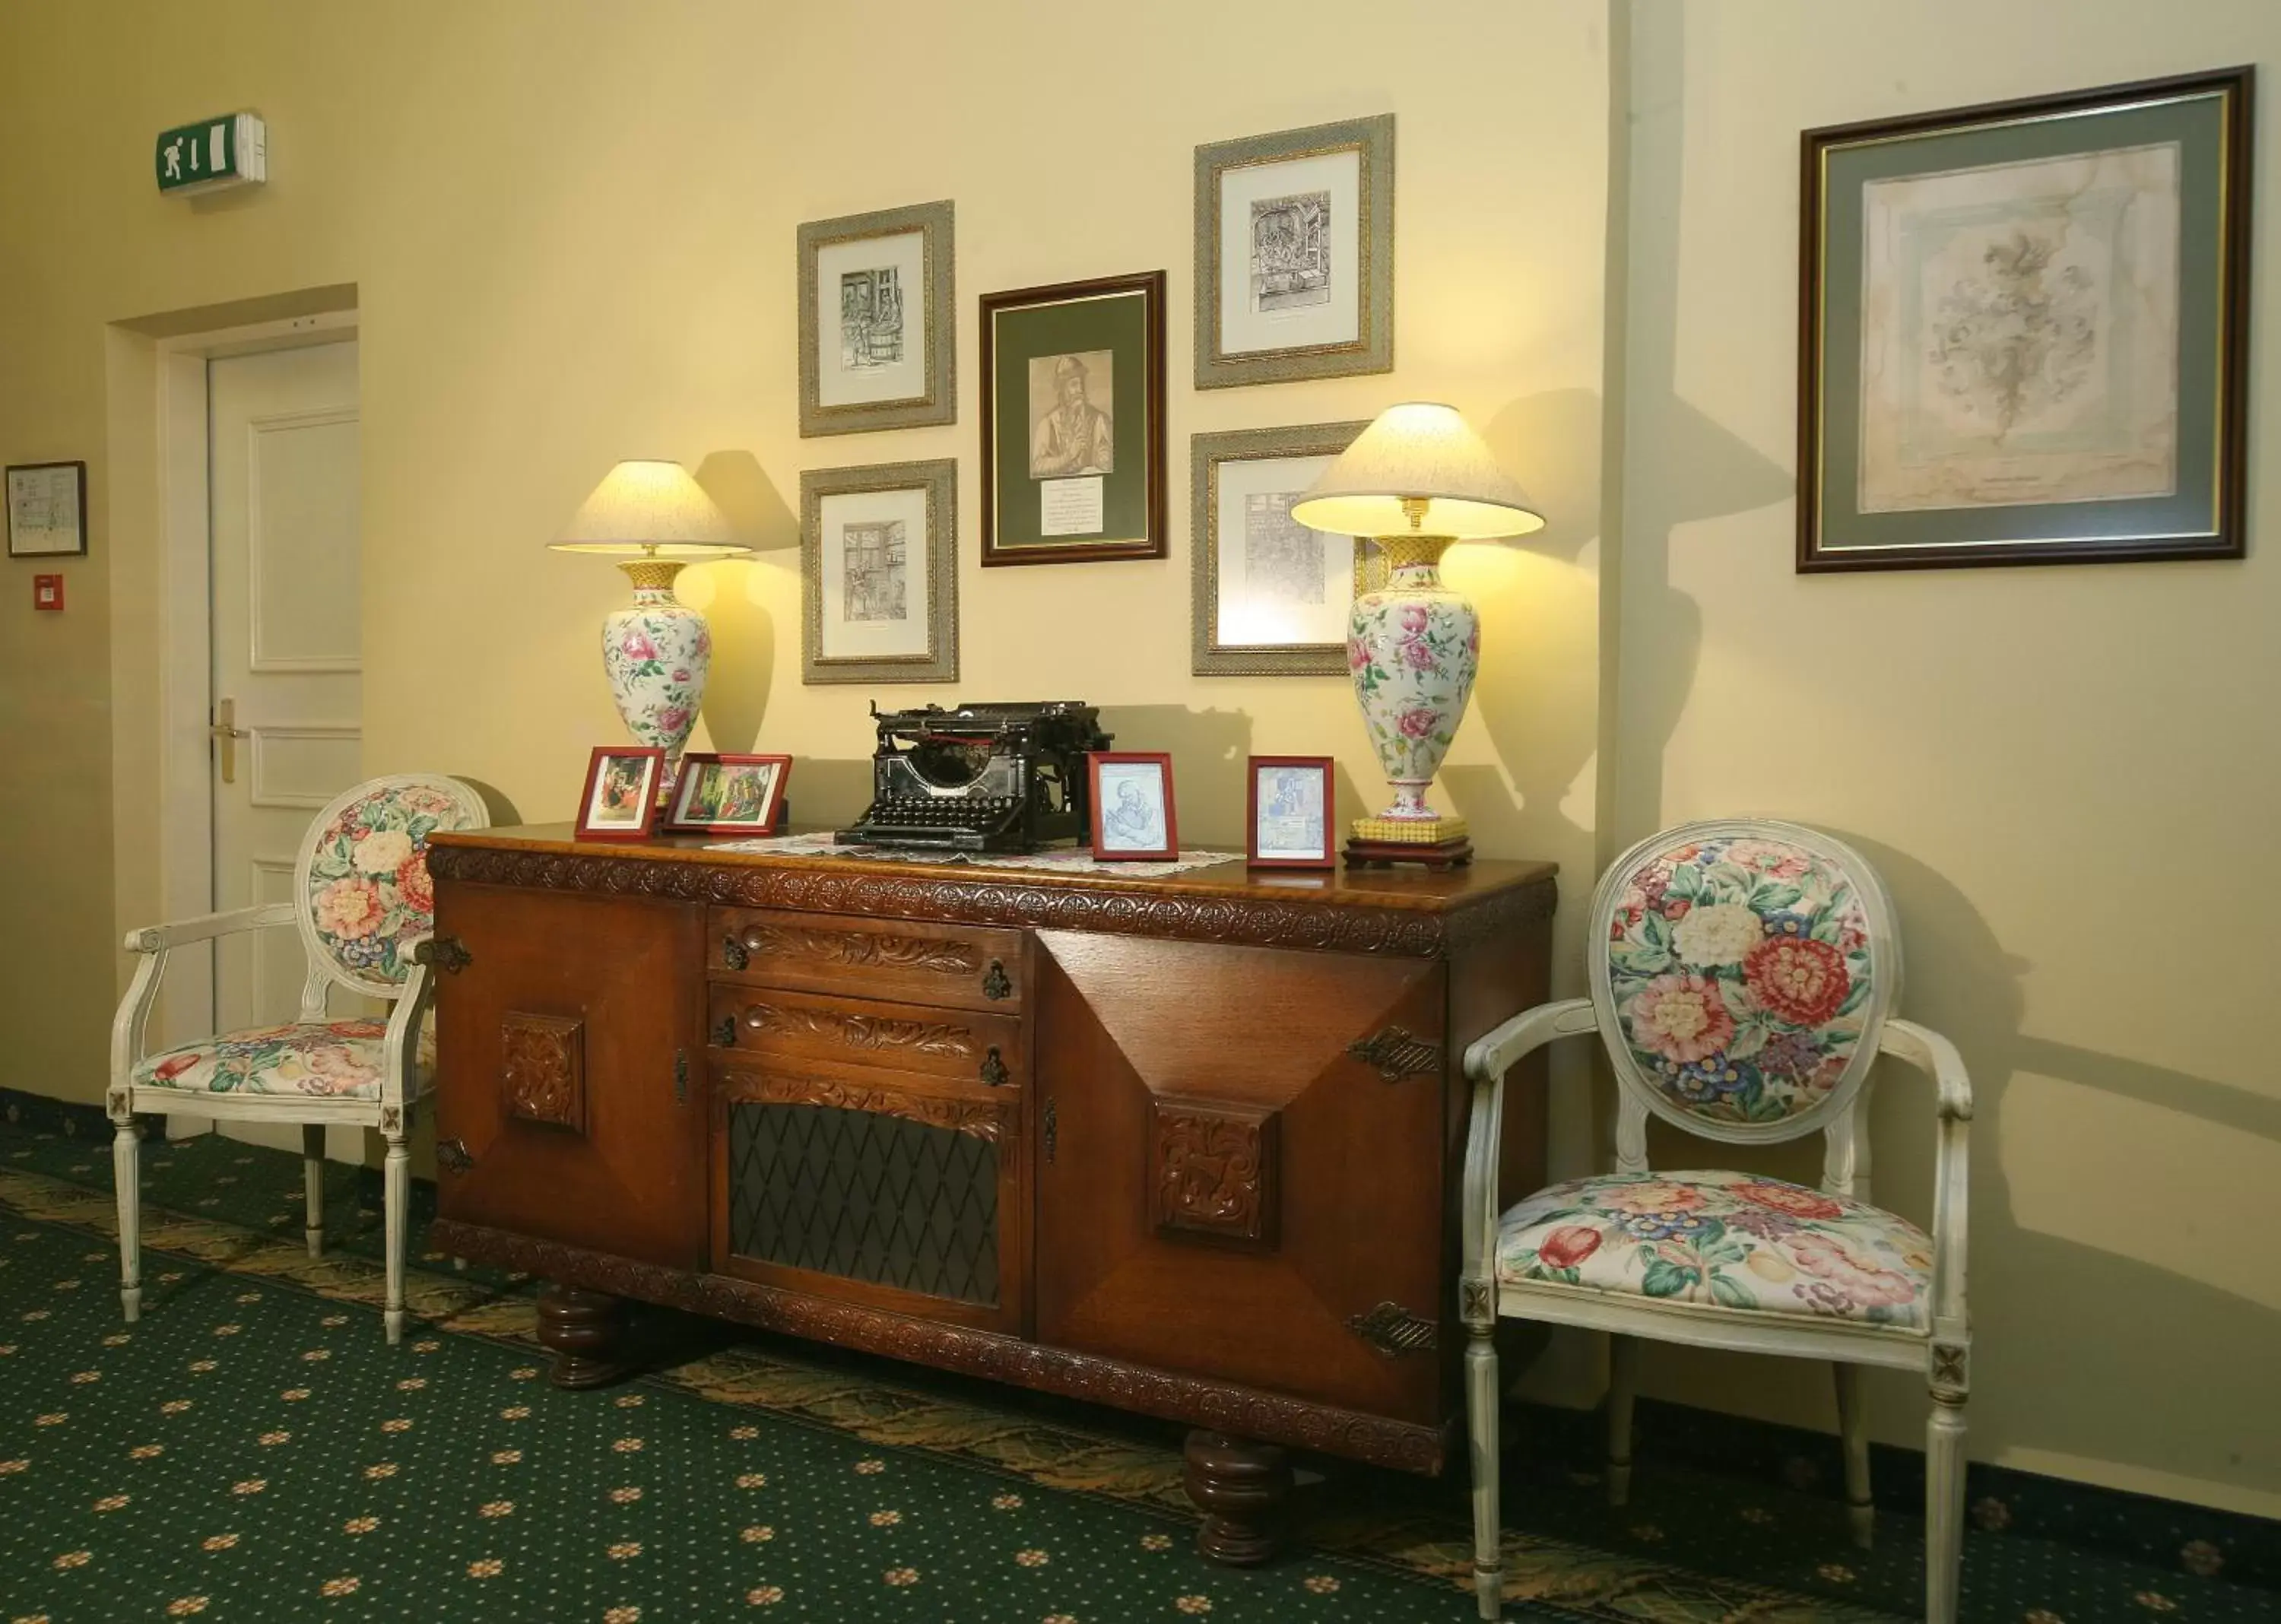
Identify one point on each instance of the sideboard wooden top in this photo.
(1406, 911)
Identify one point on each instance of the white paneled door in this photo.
(287, 661)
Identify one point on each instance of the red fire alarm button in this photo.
(47, 591)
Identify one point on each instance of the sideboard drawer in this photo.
(966, 967)
(783, 1025)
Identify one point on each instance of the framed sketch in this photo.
(1294, 254)
(729, 794)
(2023, 332)
(1288, 812)
(879, 572)
(877, 329)
(47, 510)
(1132, 801)
(1268, 597)
(620, 800)
(1073, 422)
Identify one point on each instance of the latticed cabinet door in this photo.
(1241, 1164)
(570, 1071)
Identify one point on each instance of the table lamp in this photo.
(657, 651)
(1417, 480)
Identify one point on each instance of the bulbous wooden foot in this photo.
(1243, 1488)
(585, 1332)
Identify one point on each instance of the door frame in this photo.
(185, 829)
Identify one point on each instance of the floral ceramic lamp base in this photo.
(657, 654)
(1414, 648)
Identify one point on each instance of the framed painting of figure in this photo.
(620, 800)
(1268, 596)
(878, 332)
(1294, 254)
(879, 573)
(2023, 332)
(1073, 422)
(729, 794)
(1134, 816)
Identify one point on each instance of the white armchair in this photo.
(364, 909)
(1743, 978)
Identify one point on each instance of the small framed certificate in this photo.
(47, 510)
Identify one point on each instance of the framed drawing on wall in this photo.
(2024, 329)
(879, 573)
(877, 329)
(47, 510)
(1073, 422)
(1268, 597)
(1294, 254)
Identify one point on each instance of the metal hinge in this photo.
(681, 1077)
(1397, 1053)
(1053, 1131)
(447, 954)
(451, 1155)
(1392, 1330)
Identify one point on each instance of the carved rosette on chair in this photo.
(1418, 480)
(656, 654)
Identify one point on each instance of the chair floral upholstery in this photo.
(1741, 974)
(1721, 1238)
(365, 877)
(340, 1059)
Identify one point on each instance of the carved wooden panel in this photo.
(982, 1118)
(861, 1031)
(543, 1069)
(1212, 1171)
(862, 948)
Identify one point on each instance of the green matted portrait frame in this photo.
(1979, 379)
(930, 331)
(1219, 239)
(1208, 455)
(1035, 342)
(938, 480)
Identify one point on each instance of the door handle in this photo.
(225, 733)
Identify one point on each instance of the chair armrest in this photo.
(205, 927)
(1936, 1056)
(1486, 1062)
(1930, 1053)
(400, 1049)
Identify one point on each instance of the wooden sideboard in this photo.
(1187, 1147)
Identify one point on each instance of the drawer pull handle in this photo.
(451, 1155)
(995, 985)
(733, 953)
(994, 1069)
(724, 1031)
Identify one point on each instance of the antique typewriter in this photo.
(979, 778)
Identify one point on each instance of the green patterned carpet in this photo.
(252, 1450)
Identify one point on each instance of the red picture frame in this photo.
(1284, 852)
(1139, 827)
(700, 771)
(612, 807)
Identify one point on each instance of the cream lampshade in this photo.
(1415, 481)
(656, 519)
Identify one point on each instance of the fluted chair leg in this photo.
(1853, 1430)
(1944, 1506)
(396, 1192)
(313, 1186)
(1481, 1416)
(127, 1175)
(1623, 1386)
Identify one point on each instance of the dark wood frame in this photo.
(585, 829)
(2232, 537)
(1321, 763)
(1155, 544)
(32, 467)
(766, 825)
(1095, 760)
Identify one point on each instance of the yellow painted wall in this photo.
(2067, 776)
(570, 228)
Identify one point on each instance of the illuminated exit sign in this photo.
(232, 150)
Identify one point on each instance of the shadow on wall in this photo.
(1207, 749)
(2134, 1332)
(744, 632)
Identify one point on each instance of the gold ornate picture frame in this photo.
(1267, 596)
(879, 573)
(879, 333)
(1294, 254)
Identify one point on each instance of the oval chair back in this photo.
(361, 886)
